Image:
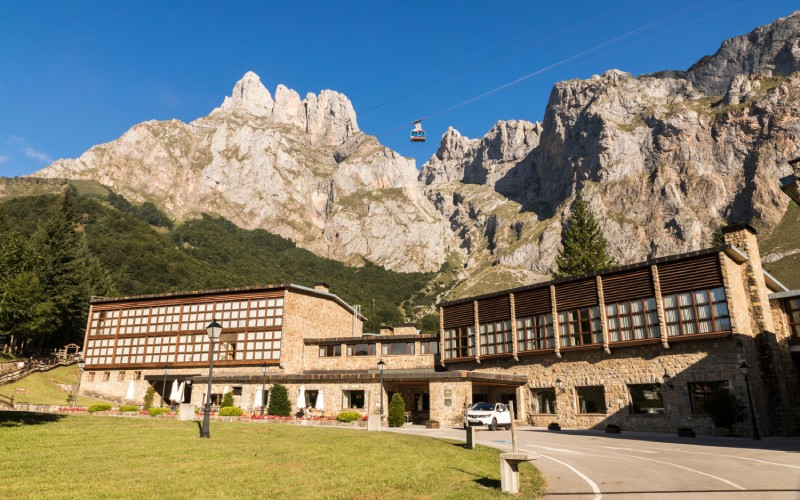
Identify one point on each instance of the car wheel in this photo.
(508, 427)
(493, 425)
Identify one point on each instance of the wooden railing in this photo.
(36, 366)
(6, 401)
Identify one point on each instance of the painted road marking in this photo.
(595, 489)
(730, 483)
(629, 449)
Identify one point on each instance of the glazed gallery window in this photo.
(543, 400)
(580, 326)
(329, 351)
(535, 332)
(360, 349)
(700, 311)
(646, 398)
(591, 399)
(632, 320)
(496, 337)
(353, 399)
(700, 391)
(793, 312)
(429, 347)
(459, 342)
(397, 348)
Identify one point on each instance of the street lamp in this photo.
(381, 367)
(263, 384)
(164, 386)
(744, 367)
(559, 384)
(214, 330)
(81, 366)
(668, 380)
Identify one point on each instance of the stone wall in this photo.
(459, 394)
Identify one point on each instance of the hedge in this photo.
(348, 416)
(124, 408)
(99, 407)
(230, 411)
(157, 411)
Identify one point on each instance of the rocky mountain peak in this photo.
(251, 95)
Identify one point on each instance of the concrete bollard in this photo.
(470, 437)
(509, 471)
(374, 422)
(186, 411)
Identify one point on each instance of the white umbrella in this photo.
(320, 401)
(258, 402)
(225, 391)
(131, 391)
(179, 399)
(301, 398)
(173, 395)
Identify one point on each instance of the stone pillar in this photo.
(743, 237)
(603, 319)
(514, 347)
(662, 317)
(556, 325)
(477, 331)
(470, 437)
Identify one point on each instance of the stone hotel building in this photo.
(639, 346)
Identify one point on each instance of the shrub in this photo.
(124, 408)
(148, 397)
(348, 416)
(724, 409)
(279, 401)
(227, 400)
(99, 407)
(157, 411)
(230, 411)
(397, 411)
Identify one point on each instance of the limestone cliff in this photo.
(298, 168)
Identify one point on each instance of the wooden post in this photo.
(513, 427)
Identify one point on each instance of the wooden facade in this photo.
(692, 285)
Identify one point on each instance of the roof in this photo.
(659, 260)
(225, 291)
(786, 294)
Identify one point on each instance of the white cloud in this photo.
(15, 139)
(4, 158)
(37, 155)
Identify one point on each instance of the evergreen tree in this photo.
(279, 401)
(148, 397)
(717, 238)
(397, 411)
(227, 399)
(584, 246)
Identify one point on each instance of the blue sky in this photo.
(76, 74)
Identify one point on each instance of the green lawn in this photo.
(43, 389)
(99, 457)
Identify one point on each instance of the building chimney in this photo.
(322, 286)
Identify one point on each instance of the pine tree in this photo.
(584, 246)
(227, 399)
(279, 401)
(397, 411)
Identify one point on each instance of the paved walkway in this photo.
(592, 464)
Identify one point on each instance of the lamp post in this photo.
(214, 330)
(559, 384)
(263, 383)
(81, 366)
(744, 367)
(164, 386)
(381, 367)
(668, 380)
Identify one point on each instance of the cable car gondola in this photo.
(418, 135)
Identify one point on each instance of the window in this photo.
(137, 375)
(353, 399)
(237, 390)
(543, 400)
(311, 399)
(328, 351)
(106, 376)
(121, 376)
(793, 312)
(632, 320)
(646, 398)
(699, 392)
(91, 377)
(580, 326)
(360, 349)
(700, 311)
(496, 337)
(459, 342)
(591, 399)
(535, 332)
(429, 347)
(397, 348)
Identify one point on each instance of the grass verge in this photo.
(84, 456)
(47, 388)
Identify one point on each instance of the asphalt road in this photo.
(592, 464)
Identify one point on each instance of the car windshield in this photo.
(483, 406)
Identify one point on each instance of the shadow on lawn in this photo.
(20, 418)
(484, 481)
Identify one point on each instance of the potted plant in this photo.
(613, 429)
(432, 424)
(686, 432)
(554, 426)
